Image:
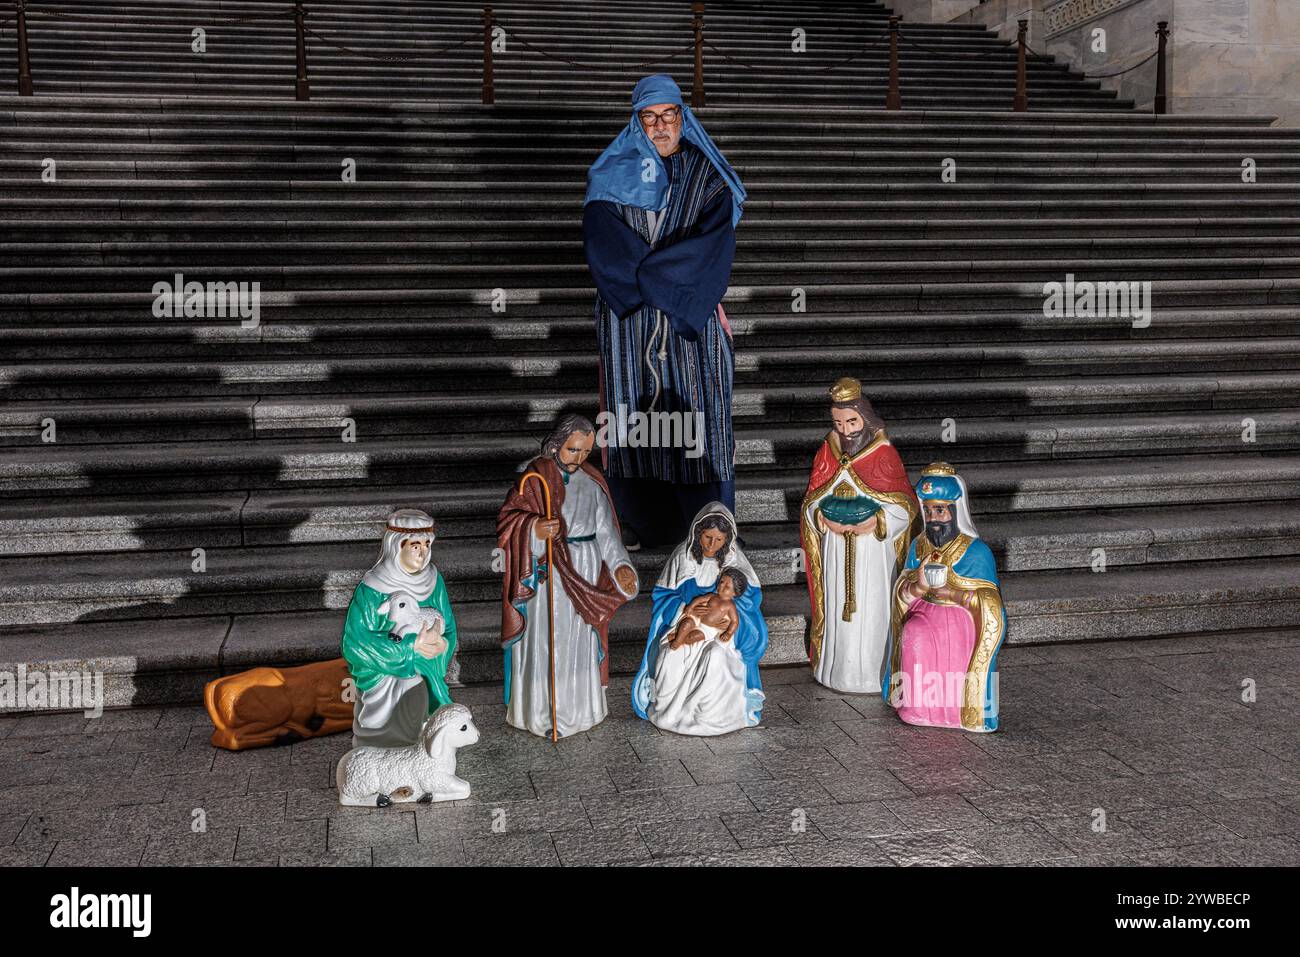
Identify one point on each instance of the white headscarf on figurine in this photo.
(387, 575)
(682, 565)
(941, 483)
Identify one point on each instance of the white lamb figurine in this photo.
(423, 772)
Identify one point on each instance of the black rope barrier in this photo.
(33, 11)
(287, 14)
(422, 55)
(1010, 48)
(1105, 76)
(510, 31)
(38, 12)
(821, 69)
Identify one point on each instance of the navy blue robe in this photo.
(662, 344)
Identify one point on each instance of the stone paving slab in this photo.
(1110, 755)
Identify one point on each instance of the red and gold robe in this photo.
(876, 472)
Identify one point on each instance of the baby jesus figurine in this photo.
(713, 614)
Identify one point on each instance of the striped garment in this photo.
(646, 366)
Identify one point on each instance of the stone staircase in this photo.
(1074, 434)
(107, 47)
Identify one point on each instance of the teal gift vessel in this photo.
(846, 510)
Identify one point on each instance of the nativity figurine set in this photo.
(904, 594)
(904, 602)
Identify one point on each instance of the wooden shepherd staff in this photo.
(550, 592)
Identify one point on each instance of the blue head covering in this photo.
(941, 483)
(938, 488)
(616, 174)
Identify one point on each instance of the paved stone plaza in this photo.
(1155, 734)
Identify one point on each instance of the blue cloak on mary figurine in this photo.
(699, 674)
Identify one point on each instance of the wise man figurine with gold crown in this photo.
(949, 621)
(857, 520)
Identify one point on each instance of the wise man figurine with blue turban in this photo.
(659, 223)
(949, 621)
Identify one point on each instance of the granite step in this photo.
(254, 117)
(492, 210)
(279, 336)
(979, 169)
(321, 416)
(496, 132)
(306, 577)
(168, 148)
(507, 191)
(509, 172)
(528, 306)
(137, 109)
(1026, 537)
(485, 373)
(535, 87)
(140, 158)
(481, 278)
(169, 660)
(971, 61)
(479, 235)
(175, 519)
(560, 255)
(872, 136)
(257, 114)
(1158, 447)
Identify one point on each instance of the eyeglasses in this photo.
(651, 118)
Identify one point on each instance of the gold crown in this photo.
(846, 390)
(938, 468)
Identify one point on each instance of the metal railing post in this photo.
(1162, 101)
(24, 60)
(302, 90)
(697, 86)
(1022, 86)
(489, 80)
(894, 98)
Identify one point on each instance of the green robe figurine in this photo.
(399, 637)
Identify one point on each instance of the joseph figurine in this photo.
(592, 578)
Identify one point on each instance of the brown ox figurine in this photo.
(278, 705)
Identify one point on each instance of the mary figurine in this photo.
(709, 686)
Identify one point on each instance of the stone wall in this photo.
(1225, 56)
(931, 11)
(1237, 56)
(1002, 16)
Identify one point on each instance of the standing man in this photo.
(858, 517)
(659, 224)
(593, 578)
